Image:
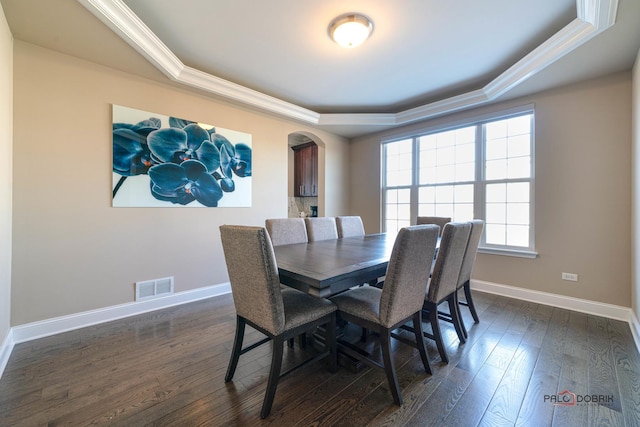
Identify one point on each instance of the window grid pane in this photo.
(508, 148)
(397, 209)
(507, 210)
(455, 201)
(447, 157)
(398, 163)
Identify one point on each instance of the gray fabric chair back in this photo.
(407, 274)
(349, 226)
(440, 221)
(253, 274)
(285, 231)
(444, 278)
(470, 254)
(322, 228)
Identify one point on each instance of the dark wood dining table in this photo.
(326, 267)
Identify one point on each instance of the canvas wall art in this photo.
(161, 161)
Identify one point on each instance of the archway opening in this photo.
(305, 187)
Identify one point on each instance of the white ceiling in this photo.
(425, 57)
(418, 49)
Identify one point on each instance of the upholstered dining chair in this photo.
(349, 226)
(443, 284)
(260, 302)
(400, 300)
(464, 281)
(438, 220)
(286, 231)
(321, 228)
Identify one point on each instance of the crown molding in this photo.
(443, 106)
(207, 82)
(381, 119)
(570, 37)
(593, 17)
(126, 24)
(599, 13)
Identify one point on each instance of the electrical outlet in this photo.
(570, 276)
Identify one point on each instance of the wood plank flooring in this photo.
(167, 368)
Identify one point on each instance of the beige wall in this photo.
(6, 172)
(582, 191)
(73, 251)
(636, 189)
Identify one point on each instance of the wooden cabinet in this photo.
(305, 159)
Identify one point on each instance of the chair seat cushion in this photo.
(301, 308)
(362, 302)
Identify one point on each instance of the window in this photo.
(478, 169)
(398, 176)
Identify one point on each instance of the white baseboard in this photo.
(635, 329)
(5, 351)
(609, 311)
(576, 304)
(31, 331)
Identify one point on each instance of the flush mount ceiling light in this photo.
(350, 30)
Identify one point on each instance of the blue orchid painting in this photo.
(182, 163)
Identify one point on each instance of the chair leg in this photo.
(237, 348)
(455, 319)
(389, 369)
(417, 330)
(274, 375)
(331, 344)
(302, 340)
(472, 308)
(437, 335)
(462, 325)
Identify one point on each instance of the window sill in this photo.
(508, 252)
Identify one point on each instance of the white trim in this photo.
(508, 252)
(635, 329)
(45, 328)
(5, 351)
(570, 303)
(593, 17)
(602, 309)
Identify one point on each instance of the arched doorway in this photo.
(305, 197)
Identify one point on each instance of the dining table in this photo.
(323, 268)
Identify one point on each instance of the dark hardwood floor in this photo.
(167, 368)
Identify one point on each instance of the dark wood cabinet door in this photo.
(314, 171)
(305, 170)
(297, 173)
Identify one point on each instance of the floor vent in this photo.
(157, 288)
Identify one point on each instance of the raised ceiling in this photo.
(425, 57)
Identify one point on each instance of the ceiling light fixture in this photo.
(350, 30)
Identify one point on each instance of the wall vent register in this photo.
(150, 289)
